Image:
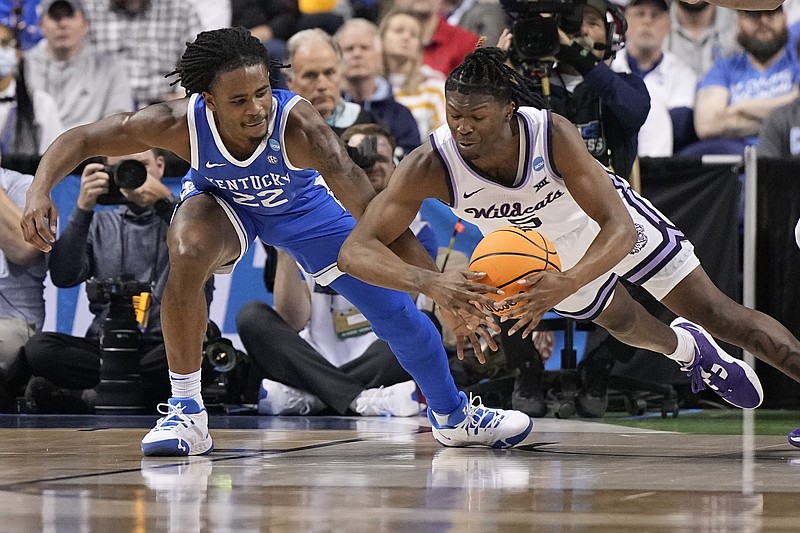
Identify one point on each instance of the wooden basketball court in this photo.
(286, 474)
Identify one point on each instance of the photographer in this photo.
(113, 245)
(607, 107)
(569, 64)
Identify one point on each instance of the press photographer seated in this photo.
(123, 250)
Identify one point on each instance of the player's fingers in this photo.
(476, 347)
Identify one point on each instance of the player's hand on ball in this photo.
(544, 290)
(462, 294)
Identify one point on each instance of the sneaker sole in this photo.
(176, 448)
(749, 372)
(794, 438)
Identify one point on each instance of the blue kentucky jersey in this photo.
(265, 181)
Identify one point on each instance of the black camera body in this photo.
(127, 174)
(120, 387)
(536, 24)
(224, 369)
(365, 154)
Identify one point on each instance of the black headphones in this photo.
(616, 26)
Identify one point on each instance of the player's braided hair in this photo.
(484, 71)
(213, 52)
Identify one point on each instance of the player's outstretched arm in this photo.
(366, 256)
(160, 125)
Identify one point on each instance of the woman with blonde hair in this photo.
(414, 84)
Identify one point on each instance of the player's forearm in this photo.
(61, 158)
(610, 247)
(373, 262)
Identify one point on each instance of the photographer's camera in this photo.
(127, 174)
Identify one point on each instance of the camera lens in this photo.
(130, 174)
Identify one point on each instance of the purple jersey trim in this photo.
(594, 309)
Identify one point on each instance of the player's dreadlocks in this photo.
(219, 51)
(484, 71)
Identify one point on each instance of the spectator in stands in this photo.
(327, 15)
(701, 34)
(415, 85)
(314, 350)
(738, 92)
(106, 245)
(271, 21)
(149, 37)
(28, 117)
(23, 17)
(214, 14)
(779, 136)
(315, 73)
(670, 82)
(363, 84)
(86, 85)
(445, 45)
(22, 273)
(481, 17)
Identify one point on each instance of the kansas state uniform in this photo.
(539, 200)
(267, 197)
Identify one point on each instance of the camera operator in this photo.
(608, 108)
(111, 245)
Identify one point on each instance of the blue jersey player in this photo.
(257, 157)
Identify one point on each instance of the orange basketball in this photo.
(510, 254)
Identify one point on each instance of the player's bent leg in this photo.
(697, 299)
(200, 239)
(418, 347)
(710, 366)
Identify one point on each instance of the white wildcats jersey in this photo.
(540, 200)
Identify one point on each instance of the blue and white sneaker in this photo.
(183, 431)
(732, 379)
(472, 424)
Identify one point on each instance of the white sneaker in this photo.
(278, 399)
(472, 424)
(183, 431)
(400, 399)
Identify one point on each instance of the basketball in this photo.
(510, 254)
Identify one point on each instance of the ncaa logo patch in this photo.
(538, 163)
(274, 145)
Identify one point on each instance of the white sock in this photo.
(186, 386)
(684, 353)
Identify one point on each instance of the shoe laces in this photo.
(175, 416)
(478, 417)
(697, 375)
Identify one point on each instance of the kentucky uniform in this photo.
(285, 206)
(539, 200)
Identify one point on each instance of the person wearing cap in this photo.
(85, 84)
(736, 95)
(670, 82)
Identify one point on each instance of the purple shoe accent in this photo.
(732, 379)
